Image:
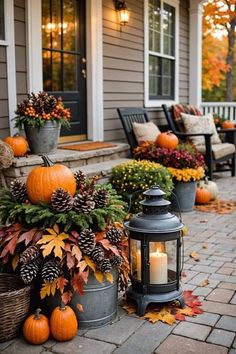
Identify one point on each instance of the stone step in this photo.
(101, 169)
(71, 158)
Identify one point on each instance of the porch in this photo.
(213, 237)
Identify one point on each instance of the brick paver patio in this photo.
(213, 332)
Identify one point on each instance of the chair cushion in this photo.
(200, 124)
(145, 131)
(219, 150)
(177, 109)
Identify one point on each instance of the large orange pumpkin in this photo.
(43, 180)
(18, 144)
(63, 323)
(227, 124)
(36, 328)
(167, 140)
(203, 196)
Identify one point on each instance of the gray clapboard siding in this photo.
(20, 49)
(4, 120)
(123, 64)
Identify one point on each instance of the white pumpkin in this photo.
(211, 187)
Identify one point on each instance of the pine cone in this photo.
(18, 190)
(101, 198)
(31, 253)
(105, 265)
(61, 200)
(50, 271)
(116, 261)
(114, 235)
(97, 254)
(83, 203)
(80, 178)
(28, 272)
(86, 241)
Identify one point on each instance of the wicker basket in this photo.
(14, 305)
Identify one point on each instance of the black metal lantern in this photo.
(155, 240)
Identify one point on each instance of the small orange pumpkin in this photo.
(43, 180)
(63, 323)
(36, 328)
(227, 124)
(203, 195)
(18, 144)
(167, 140)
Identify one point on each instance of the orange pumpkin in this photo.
(227, 124)
(18, 144)
(36, 328)
(167, 140)
(203, 195)
(63, 323)
(43, 180)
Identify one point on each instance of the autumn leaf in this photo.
(163, 315)
(130, 308)
(80, 307)
(53, 242)
(109, 277)
(204, 283)
(90, 263)
(15, 261)
(108, 246)
(66, 297)
(99, 276)
(100, 236)
(195, 256)
(27, 236)
(205, 246)
(78, 281)
(61, 283)
(48, 289)
(184, 231)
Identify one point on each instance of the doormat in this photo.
(168, 313)
(218, 206)
(87, 146)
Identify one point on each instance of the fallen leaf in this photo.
(184, 231)
(80, 307)
(130, 308)
(203, 221)
(204, 283)
(205, 246)
(163, 315)
(195, 256)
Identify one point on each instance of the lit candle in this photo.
(158, 268)
(138, 259)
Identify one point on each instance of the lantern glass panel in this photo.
(162, 260)
(135, 259)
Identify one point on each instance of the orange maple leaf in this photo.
(53, 242)
(61, 283)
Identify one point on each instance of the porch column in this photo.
(195, 53)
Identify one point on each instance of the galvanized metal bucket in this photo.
(99, 303)
(184, 196)
(43, 139)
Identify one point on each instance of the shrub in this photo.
(132, 178)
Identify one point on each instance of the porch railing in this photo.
(223, 109)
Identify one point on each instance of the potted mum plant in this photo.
(186, 166)
(42, 115)
(67, 236)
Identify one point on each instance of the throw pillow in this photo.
(177, 109)
(145, 131)
(200, 124)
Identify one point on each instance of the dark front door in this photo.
(64, 62)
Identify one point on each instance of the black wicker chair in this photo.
(211, 162)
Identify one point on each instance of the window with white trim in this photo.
(2, 21)
(161, 48)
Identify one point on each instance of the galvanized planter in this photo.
(184, 196)
(43, 139)
(99, 303)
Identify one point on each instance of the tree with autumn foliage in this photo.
(218, 16)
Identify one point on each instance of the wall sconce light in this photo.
(123, 11)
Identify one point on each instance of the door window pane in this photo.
(47, 82)
(46, 24)
(56, 72)
(56, 24)
(2, 21)
(70, 74)
(69, 25)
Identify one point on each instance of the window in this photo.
(2, 21)
(161, 50)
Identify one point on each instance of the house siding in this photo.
(123, 64)
(4, 115)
